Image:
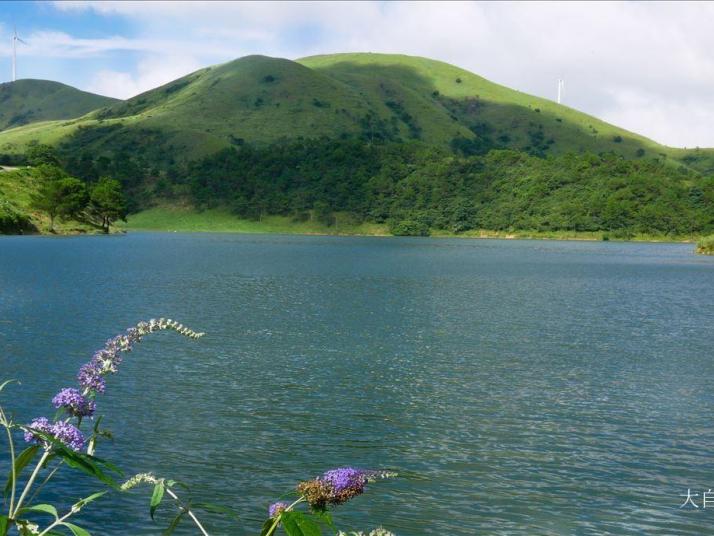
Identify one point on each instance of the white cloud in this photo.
(151, 72)
(646, 66)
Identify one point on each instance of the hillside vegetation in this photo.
(374, 143)
(31, 101)
(373, 97)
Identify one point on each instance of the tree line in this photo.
(414, 187)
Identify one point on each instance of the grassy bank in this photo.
(706, 245)
(222, 221)
(175, 219)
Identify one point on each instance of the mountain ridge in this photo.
(392, 97)
(31, 100)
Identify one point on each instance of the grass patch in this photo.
(183, 219)
(705, 246)
(178, 219)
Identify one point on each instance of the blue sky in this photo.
(646, 66)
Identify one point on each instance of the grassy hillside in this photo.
(31, 101)
(372, 97)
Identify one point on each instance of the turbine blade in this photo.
(21, 41)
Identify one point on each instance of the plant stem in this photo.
(59, 521)
(30, 482)
(188, 511)
(46, 480)
(12, 464)
(277, 519)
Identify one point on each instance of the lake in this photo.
(519, 387)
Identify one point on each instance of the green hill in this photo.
(376, 143)
(259, 100)
(30, 101)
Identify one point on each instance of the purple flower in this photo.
(61, 431)
(277, 508)
(41, 424)
(345, 478)
(73, 401)
(334, 487)
(68, 434)
(90, 377)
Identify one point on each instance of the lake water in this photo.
(519, 387)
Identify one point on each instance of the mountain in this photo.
(260, 100)
(393, 143)
(29, 101)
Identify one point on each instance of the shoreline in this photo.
(468, 235)
(477, 235)
(182, 220)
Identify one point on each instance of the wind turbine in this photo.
(561, 86)
(15, 40)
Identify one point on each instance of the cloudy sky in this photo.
(648, 67)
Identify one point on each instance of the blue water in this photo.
(519, 387)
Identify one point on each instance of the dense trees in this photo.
(60, 195)
(68, 198)
(413, 187)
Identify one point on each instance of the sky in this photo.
(644, 66)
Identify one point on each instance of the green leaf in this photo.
(21, 461)
(267, 526)
(215, 509)
(77, 531)
(299, 524)
(44, 508)
(156, 497)
(326, 518)
(175, 523)
(4, 525)
(93, 497)
(91, 465)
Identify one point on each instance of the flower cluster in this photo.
(334, 487)
(63, 432)
(337, 486)
(74, 402)
(376, 532)
(141, 478)
(92, 382)
(107, 360)
(90, 378)
(277, 508)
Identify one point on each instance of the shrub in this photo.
(409, 228)
(13, 221)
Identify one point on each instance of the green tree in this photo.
(108, 202)
(64, 197)
(39, 153)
